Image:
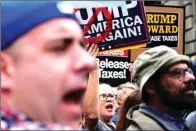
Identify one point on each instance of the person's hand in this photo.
(92, 49)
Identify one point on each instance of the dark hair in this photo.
(130, 101)
(151, 83)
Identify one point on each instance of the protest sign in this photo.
(163, 28)
(113, 67)
(113, 24)
(166, 27)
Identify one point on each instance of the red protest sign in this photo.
(105, 33)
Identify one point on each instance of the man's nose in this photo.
(108, 100)
(84, 61)
(189, 77)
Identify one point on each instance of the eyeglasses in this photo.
(104, 97)
(179, 73)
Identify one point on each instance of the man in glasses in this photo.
(166, 81)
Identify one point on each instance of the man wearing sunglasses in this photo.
(166, 81)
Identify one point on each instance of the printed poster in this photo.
(166, 27)
(113, 24)
(113, 67)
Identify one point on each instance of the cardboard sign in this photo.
(113, 25)
(166, 27)
(113, 67)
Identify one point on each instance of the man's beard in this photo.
(176, 101)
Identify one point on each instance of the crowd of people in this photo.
(50, 79)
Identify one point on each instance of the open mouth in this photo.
(74, 96)
(71, 106)
(109, 107)
(188, 91)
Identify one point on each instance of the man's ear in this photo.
(119, 100)
(150, 88)
(7, 69)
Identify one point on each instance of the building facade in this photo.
(190, 23)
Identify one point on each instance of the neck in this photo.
(105, 120)
(156, 103)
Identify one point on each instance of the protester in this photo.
(107, 102)
(45, 61)
(165, 80)
(131, 100)
(99, 101)
(105, 110)
(90, 103)
(123, 91)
